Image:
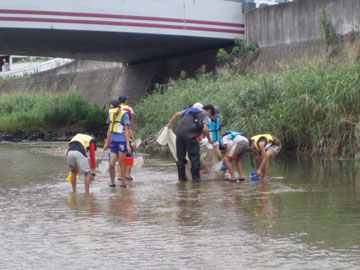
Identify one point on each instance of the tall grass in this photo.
(47, 111)
(314, 108)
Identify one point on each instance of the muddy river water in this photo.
(306, 217)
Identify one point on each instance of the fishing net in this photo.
(210, 166)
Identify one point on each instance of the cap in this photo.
(217, 113)
(198, 105)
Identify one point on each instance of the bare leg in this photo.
(122, 168)
(74, 172)
(113, 158)
(218, 153)
(87, 182)
(227, 162)
(269, 154)
(128, 171)
(119, 171)
(239, 167)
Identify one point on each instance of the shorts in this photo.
(117, 147)
(76, 160)
(275, 148)
(238, 149)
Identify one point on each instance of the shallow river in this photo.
(307, 217)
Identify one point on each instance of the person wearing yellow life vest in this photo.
(123, 106)
(113, 106)
(263, 147)
(118, 140)
(78, 161)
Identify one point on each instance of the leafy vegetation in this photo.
(33, 112)
(238, 50)
(327, 30)
(314, 108)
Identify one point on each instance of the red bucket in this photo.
(129, 161)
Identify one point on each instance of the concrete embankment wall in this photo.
(299, 21)
(274, 59)
(101, 82)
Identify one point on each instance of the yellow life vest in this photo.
(84, 139)
(113, 110)
(255, 139)
(116, 126)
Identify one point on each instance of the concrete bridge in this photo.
(132, 31)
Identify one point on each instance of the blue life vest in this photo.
(232, 137)
(214, 128)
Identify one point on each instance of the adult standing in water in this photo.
(263, 147)
(118, 136)
(78, 161)
(193, 124)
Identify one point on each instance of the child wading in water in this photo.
(78, 161)
(118, 139)
(263, 147)
(235, 145)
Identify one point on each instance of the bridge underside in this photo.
(105, 46)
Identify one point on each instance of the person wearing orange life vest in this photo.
(78, 161)
(118, 140)
(122, 101)
(263, 147)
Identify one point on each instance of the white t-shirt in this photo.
(238, 138)
(131, 110)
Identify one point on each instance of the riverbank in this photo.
(48, 117)
(313, 109)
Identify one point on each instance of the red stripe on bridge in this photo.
(148, 25)
(114, 16)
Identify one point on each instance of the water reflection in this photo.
(82, 202)
(264, 211)
(121, 206)
(189, 202)
(306, 217)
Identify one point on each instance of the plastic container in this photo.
(69, 177)
(223, 167)
(129, 160)
(138, 162)
(254, 177)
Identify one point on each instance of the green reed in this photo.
(48, 111)
(313, 109)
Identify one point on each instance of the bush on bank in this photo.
(47, 111)
(314, 108)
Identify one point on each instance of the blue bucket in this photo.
(254, 177)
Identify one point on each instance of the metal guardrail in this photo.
(51, 64)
